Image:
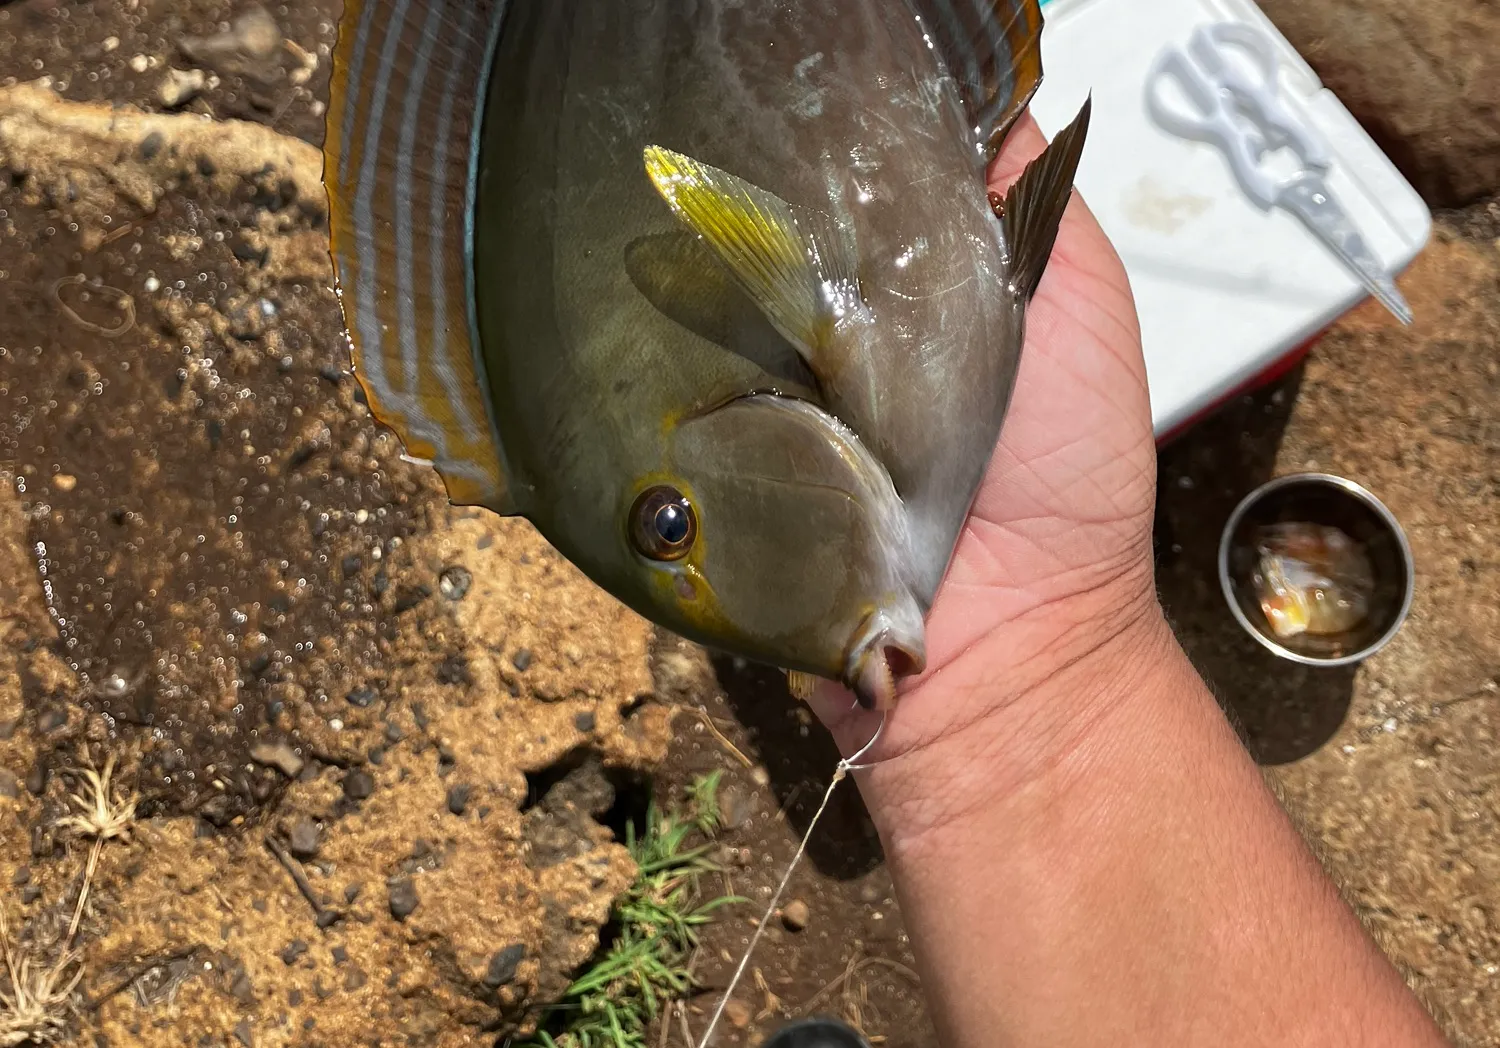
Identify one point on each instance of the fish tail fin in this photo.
(993, 51)
(399, 163)
(1033, 209)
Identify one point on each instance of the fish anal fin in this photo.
(1033, 208)
(793, 262)
(398, 164)
(993, 51)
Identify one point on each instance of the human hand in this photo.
(1049, 597)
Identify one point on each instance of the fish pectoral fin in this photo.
(791, 261)
(399, 159)
(1033, 209)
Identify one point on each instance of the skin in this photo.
(1083, 850)
(594, 302)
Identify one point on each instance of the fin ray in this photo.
(399, 165)
(794, 262)
(1034, 206)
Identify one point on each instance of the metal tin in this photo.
(1321, 498)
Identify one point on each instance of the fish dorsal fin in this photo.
(399, 162)
(992, 48)
(792, 261)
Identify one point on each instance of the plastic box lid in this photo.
(1226, 292)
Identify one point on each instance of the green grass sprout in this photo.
(647, 965)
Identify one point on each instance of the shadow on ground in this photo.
(799, 763)
(1283, 711)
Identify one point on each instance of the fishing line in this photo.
(845, 766)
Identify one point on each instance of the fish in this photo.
(1311, 579)
(712, 292)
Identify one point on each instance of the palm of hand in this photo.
(1062, 520)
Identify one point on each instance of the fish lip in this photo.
(883, 655)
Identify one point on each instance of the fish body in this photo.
(709, 290)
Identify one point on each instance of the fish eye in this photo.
(663, 524)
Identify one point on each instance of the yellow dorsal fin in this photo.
(792, 261)
(399, 160)
(992, 48)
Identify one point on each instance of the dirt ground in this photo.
(384, 748)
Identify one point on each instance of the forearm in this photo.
(1137, 885)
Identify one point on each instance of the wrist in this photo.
(992, 724)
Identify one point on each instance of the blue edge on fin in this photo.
(476, 133)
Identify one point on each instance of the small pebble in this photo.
(36, 778)
(340, 955)
(31, 893)
(22, 876)
(351, 892)
(458, 797)
(278, 755)
(521, 660)
(738, 1014)
(363, 696)
(795, 915)
(242, 1033)
(64, 482)
(403, 898)
(51, 720)
(870, 894)
(305, 839)
(358, 785)
(584, 721)
(760, 776)
(180, 87)
(10, 786)
(293, 950)
(503, 965)
(454, 582)
(140, 63)
(353, 980)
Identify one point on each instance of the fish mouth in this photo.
(884, 655)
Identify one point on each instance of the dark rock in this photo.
(454, 670)
(340, 955)
(151, 145)
(351, 892)
(328, 918)
(358, 785)
(363, 696)
(10, 786)
(521, 660)
(458, 797)
(242, 1033)
(502, 967)
(419, 714)
(408, 597)
(454, 582)
(241, 989)
(31, 893)
(21, 876)
(350, 565)
(403, 898)
(393, 732)
(304, 839)
(294, 998)
(353, 980)
(36, 778)
(292, 951)
(584, 721)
